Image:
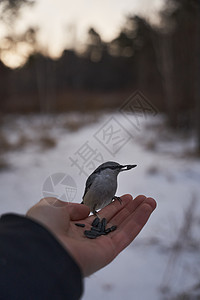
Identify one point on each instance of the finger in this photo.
(53, 202)
(134, 216)
(137, 213)
(78, 211)
(110, 210)
(128, 209)
(130, 228)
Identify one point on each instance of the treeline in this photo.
(46, 84)
(159, 61)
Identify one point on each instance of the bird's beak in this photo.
(127, 167)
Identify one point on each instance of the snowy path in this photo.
(139, 271)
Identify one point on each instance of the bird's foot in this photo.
(117, 198)
(94, 211)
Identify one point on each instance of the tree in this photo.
(9, 9)
(9, 13)
(197, 89)
(175, 58)
(94, 46)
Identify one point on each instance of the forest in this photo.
(162, 61)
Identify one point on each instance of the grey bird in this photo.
(101, 185)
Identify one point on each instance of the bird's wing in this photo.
(89, 183)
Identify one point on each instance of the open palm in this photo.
(92, 254)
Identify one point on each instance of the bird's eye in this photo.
(114, 167)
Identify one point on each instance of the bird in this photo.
(101, 185)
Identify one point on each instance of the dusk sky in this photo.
(64, 23)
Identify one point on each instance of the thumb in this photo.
(78, 211)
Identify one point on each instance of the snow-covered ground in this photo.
(165, 256)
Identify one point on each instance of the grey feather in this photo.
(101, 185)
(90, 180)
(89, 183)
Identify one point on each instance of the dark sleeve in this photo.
(33, 264)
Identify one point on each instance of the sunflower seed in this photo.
(114, 227)
(89, 234)
(96, 233)
(107, 230)
(95, 229)
(103, 233)
(99, 226)
(95, 222)
(80, 225)
(103, 224)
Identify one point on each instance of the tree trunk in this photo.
(197, 91)
(167, 70)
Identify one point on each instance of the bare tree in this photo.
(9, 9)
(197, 89)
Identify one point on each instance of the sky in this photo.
(64, 23)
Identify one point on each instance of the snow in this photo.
(166, 171)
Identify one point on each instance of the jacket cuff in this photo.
(33, 264)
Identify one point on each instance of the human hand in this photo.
(92, 254)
